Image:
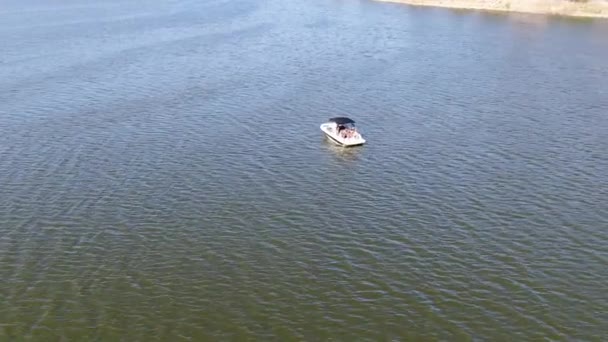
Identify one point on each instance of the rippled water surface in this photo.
(163, 175)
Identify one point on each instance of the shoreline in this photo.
(590, 9)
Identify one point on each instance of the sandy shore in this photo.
(591, 8)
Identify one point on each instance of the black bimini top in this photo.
(342, 120)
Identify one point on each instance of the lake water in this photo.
(163, 175)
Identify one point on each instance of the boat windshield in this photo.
(350, 126)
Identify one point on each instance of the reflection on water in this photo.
(342, 153)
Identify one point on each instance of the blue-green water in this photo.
(163, 175)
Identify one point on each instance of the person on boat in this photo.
(341, 131)
(345, 133)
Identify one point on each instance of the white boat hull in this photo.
(330, 131)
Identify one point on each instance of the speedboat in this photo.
(342, 131)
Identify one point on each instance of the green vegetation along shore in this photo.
(580, 8)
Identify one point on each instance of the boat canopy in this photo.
(342, 120)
